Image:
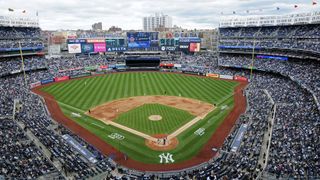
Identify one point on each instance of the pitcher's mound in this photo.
(155, 117)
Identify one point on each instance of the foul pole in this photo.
(251, 68)
(22, 64)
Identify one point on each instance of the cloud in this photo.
(81, 14)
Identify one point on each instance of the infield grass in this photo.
(138, 119)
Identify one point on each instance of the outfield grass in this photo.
(75, 96)
(138, 119)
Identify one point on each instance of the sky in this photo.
(128, 14)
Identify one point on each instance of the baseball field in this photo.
(149, 117)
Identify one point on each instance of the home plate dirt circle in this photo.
(163, 144)
(155, 117)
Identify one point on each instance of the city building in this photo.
(151, 23)
(97, 26)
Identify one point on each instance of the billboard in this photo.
(99, 47)
(87, 48)
(142, 39)
(194, 47)
(74, 48)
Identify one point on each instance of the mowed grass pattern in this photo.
(90, 92)
(138, 119)
(82, 94)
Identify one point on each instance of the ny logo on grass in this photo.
(166, 158)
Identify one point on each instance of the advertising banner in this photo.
(190, 39)
(76, 41)
(184, 46)
(87, 48)
(104, 67)
(99, 47)
(80, 75)
(47, 81)
(82, 150)
(194, 47)
(177, 65)
(169, 48)
(116, 49)
(281, 58)
(62, 78)
(23, 49)
(213, 75)
(88, 68)
(96, 41)
(240, 78)
(166, 65)
(74, 48)
(226, 77)
(35, 84)
(239, 47)
(237, 140)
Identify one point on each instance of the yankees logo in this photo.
(166, 158)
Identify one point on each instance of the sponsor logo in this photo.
(184, 46)
(200, 131)
(163, 48)
(110, 49)
(74, 47)
(166, 158)
(116, 136)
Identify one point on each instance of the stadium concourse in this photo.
(282, 118)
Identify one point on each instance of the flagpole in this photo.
(22, 64)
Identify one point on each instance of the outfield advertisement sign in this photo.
(99, 47)
(35, 84)
(62, 78)
(104, 67)
(80, 75)
(47, 81)
(226, 77)
(85, 152)
(74, 48)
(213, 75)
(240, 78)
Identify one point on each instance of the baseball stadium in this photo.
(239, 101)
